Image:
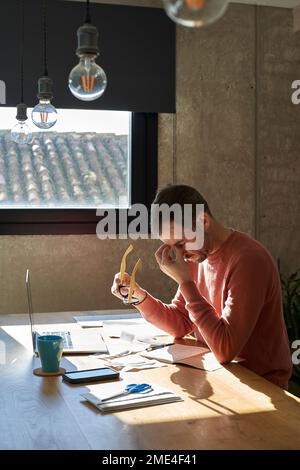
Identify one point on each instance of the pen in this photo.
(154, 346)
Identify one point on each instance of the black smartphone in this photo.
(91, 375)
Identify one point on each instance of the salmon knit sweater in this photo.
(234, 306)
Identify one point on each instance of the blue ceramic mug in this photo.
(50, 348)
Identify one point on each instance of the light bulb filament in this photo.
(88, 82)
(44, 116)
(195, 4)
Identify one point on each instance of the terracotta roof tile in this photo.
(63, 168)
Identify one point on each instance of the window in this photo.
(91, 159)
(82, 163)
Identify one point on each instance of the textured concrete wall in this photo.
(278, 136)
(235, 137)
(71, 272)
(215, 114)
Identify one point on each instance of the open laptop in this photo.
(80, 341)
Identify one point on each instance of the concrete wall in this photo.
(215, 142)
(235, 137)
(278, 142)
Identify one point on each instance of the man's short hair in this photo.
(181, 194)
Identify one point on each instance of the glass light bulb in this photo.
(195, 13)
(44, 115)
(87, 81)
(21, 133)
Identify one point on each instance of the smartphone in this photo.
(91, 375)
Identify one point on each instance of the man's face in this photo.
(172, 239)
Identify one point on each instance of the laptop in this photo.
(80, 341)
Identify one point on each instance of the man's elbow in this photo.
(225, 347)
(225, 357)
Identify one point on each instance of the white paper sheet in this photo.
(138, 326)
(175, 353)
(89, 323)
(119, 347)
(134, 362)
(92, 321)
(200, 358)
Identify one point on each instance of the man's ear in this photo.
(207, 221)
(204, 219)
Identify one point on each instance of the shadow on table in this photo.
(279, 397)
(200, 390)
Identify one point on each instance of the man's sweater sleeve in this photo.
(173, 318)
(247, 288)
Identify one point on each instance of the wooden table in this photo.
(231, 408)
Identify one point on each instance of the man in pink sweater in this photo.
(229, 293)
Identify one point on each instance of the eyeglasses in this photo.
(128, 298)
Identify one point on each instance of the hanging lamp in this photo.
(44, 114)
(195, 13)
(21, 133)
(87, 81)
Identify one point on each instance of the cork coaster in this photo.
(39, 371)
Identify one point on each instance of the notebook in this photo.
(200, 358)
(158, 396)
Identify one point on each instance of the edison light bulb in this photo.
(44, 115)
(87, 81)
(21, 133)
(195, 13)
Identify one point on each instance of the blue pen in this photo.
(131, 388)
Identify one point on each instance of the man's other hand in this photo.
(120, 291)
(171, 261)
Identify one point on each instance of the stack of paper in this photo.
(157, 396)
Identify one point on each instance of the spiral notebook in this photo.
(158, 396)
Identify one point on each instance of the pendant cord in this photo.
(87, 12)
(45, 37)
(22, 53)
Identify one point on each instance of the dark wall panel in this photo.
(137, 52)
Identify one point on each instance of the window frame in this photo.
(143, 178)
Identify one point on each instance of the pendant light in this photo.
(21, 133)
(44, 114)
(195, 13)
(87, 81)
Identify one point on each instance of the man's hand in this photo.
(119, 292)
(171, 262)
